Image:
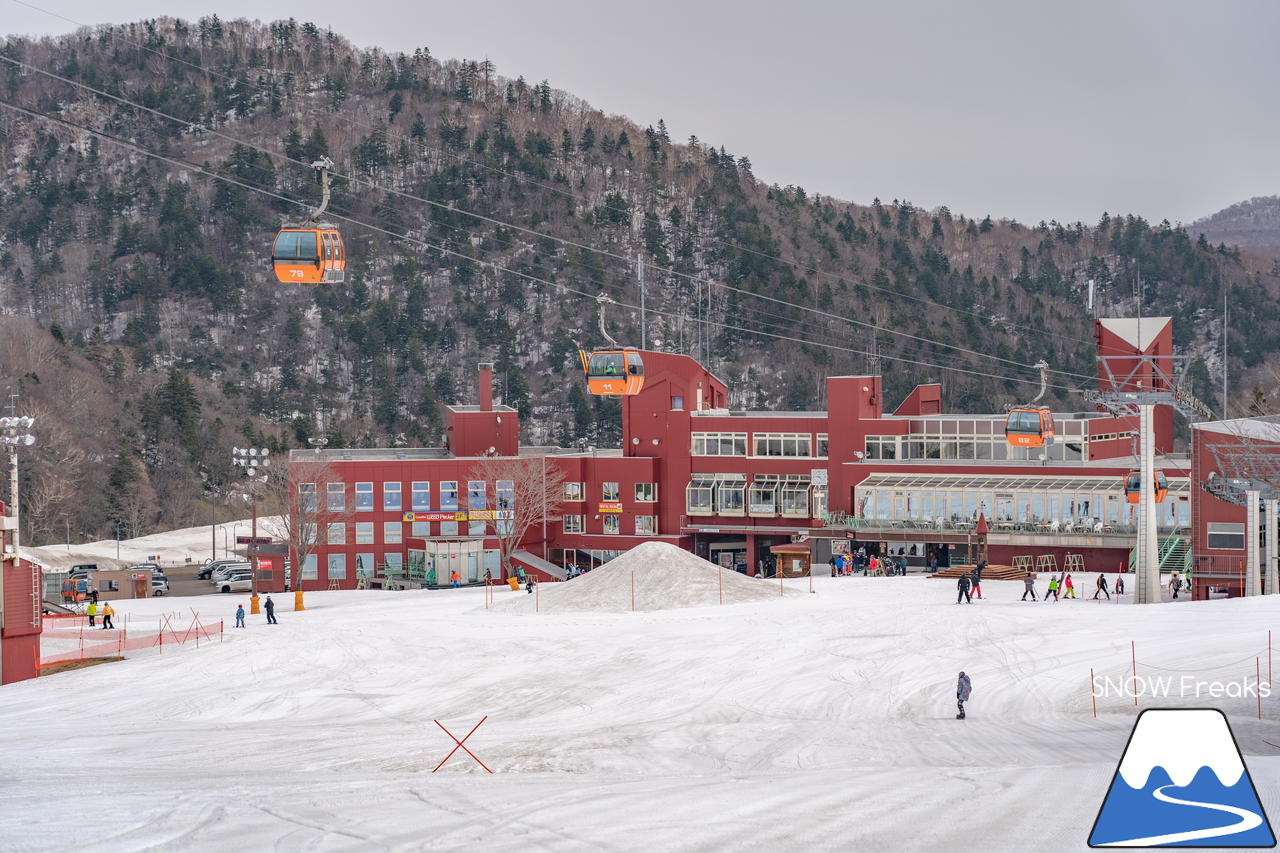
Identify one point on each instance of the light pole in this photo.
(12, 440)
(226, 551)
(254, 461)
(295, 568)
(235, 533)
(117, 540)
(67, 521)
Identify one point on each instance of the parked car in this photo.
(159, 586)
(207, 570)
(154, 568)
(82, 571)
(236, 584)
(222, 571)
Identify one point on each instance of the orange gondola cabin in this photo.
(1133, 487)
(613, 373)
(309, 255)
(1029, 428)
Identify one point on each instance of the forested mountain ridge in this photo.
(1253, 225)
(482, 214)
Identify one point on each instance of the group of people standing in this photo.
(105, 610)
(845, 565)
(1066, 588)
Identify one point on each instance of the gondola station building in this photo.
(734, 486)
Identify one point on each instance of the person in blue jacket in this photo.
(240, 616)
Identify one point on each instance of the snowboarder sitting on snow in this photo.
(963, 585)
(963, 689)
(1029, 584)
(528, 587)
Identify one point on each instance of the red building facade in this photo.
(730, 485)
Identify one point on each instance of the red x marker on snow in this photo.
(460, 744)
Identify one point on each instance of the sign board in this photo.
(611, 506)
(434, 516)
(249, 540)
(139, 576)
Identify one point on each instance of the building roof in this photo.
(1180, 486)
(1263, 429)
(1139, 332)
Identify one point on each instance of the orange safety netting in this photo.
(67, 639)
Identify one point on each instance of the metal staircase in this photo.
(1174, 555)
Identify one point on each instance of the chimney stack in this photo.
(486, 386)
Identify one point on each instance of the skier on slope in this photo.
(962, 584)
(977, 578)
(1069, 586)
(1053, 589)
(1102, 588)
(1029, 587)
(963, 689)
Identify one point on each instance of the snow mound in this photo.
(666, 578)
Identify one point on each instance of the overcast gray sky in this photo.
(1019, 109)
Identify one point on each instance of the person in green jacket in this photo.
(92, 611)
(1053, 588)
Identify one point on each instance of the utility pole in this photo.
(1224, 352)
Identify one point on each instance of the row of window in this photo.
(949, 447)
(477, 496)
(645, 525)
(1012, 507)
(645, 492)
(783, 444)
(787, 495)
(935, 427)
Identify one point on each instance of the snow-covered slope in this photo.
(812, 723)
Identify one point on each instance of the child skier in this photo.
(1053, 588)
(1068, 586)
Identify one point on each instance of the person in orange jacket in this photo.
(455, 577)
(107, 612)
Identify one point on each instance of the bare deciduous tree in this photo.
(524, 491)
(296, 505)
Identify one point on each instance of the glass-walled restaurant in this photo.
(977, 439)
(1012, 503)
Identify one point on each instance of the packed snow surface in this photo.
(651, 576)
(818, 722)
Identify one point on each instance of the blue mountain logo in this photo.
(1182, 783)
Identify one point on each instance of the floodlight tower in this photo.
(254, 461)
(11, 438)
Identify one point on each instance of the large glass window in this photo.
(364, 565)
(795, 497)
(310, 571)
(337, 497)
(1226, 536)
(646, 492)
(698, 495)
(573, 524)
(421, 528)
(307, 497)
(394, 562)
(783, 444)
(504, 493)
(476, 497)
(337, 534)
(611, 523)
(337, 566)
(449, 496)
(731, 494)
(391, 532)
(819, 501)
(391, 497)
(821, 450)
(364, 532)
(364, 497)
(719, 444)
(763, 496)
(448, 528)
(610, 492)
(421, 496)
(573, 492)
(646, 525)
